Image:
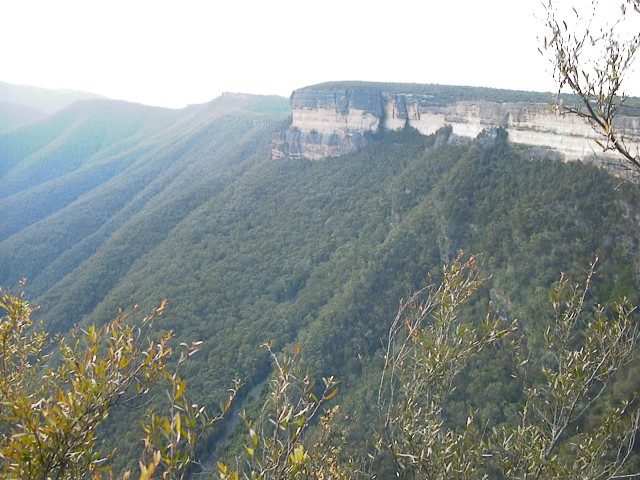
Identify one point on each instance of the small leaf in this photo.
(332, 394)
(178, 425)
(181, 386)
(298, 454)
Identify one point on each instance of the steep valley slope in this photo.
(107, 204)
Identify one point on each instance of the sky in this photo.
(180, 52)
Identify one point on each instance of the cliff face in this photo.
(329, 121)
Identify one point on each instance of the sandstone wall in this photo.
(329, 122)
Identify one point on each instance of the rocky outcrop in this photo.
(329, 123)
(330, 120)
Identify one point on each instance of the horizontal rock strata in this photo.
(329, 121)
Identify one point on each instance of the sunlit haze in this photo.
(172, 53)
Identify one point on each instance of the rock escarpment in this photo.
(332, 119)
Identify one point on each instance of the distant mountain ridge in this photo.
(22, 104)
(44, 99)
(14, 115)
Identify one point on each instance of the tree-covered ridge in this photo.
(318, 253)
(133, 157)
(441, 95)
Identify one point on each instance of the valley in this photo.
(306, 222)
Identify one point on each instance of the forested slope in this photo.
(189, 206)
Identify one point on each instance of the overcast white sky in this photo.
(179, 52)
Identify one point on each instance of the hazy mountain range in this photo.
(22, 104)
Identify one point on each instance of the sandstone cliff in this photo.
(335, 118)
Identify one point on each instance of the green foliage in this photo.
(441, 94)
(56, 394)
(53, 402)
(563, 385)
(428, 347)
(566, 384)
(52, 405)
(276, 447)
